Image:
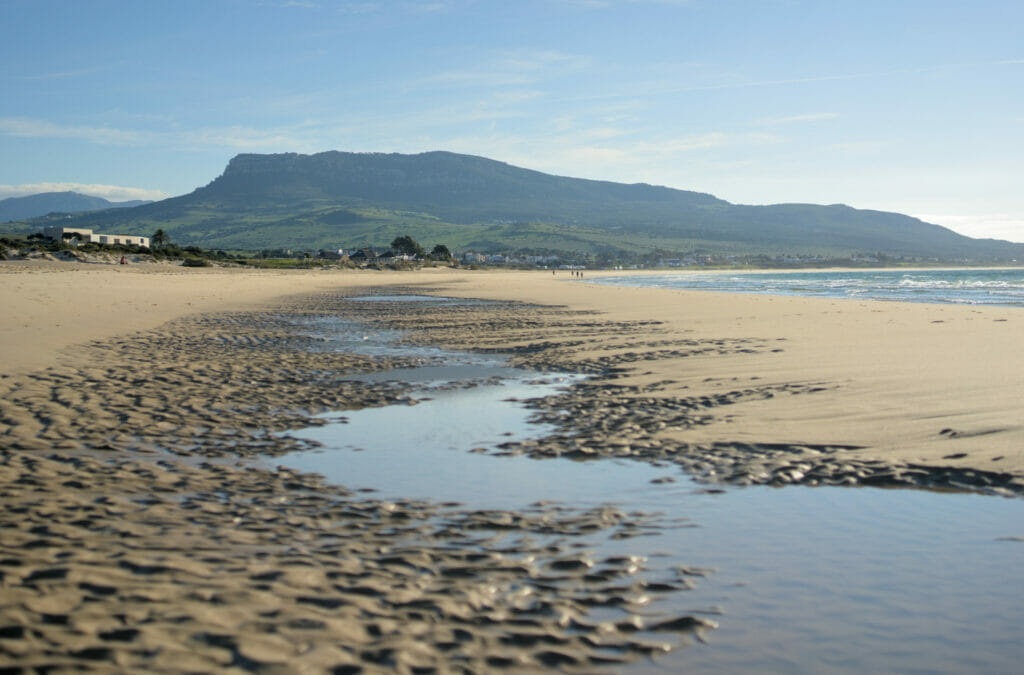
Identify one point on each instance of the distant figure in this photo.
(123, 261)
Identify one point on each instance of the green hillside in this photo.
(338, 199)
(33, 206)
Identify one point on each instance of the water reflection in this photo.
(807, 580)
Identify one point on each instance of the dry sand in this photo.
(940, 385)
(123, 549)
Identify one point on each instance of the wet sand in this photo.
(897, 383)
(136, 537)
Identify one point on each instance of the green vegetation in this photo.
(337, 200)
(406, 245)
(31, 206)
(440, 252)
(159, 239)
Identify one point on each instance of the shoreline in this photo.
(119, 553)
(910, 382)
(624, 413)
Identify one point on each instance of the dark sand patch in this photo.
(123, 549)
(610, 417)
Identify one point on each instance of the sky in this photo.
(899, 105)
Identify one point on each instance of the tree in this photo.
(441, 252)
(406, 245)
(159, 239)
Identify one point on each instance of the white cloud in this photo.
(32, 128)
(360, 7)
(430, 7)
(60, 75)
(1006, 226)
(299, 138)
(858, 148)
(799, 119)
(115, 193)
(511, 68)
(247, 139)
(600, 4)
(583, 153)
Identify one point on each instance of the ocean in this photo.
(943, 286)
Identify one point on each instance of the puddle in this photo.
(815, 580)
(424, 451)
(462, 302)
(343, 335)
(400, 298)
(807, 580)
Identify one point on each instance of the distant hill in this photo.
(32, 206)
(342, 199)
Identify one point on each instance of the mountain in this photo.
(342, 199)
(32, 206)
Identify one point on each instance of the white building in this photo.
(88, 236)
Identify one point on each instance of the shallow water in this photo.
(851, 579)
(964, 286)
(806, 579)
(399, 298)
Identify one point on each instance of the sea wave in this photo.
(973, 287)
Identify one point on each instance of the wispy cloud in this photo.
(300, 137)
(581, 152)
(63, 74)
(430, 7)
(115, 193)
(24, 127)
(859, 148)
(1006, 226)
(601, 4)
(510, 68)
(799, 119)
(359, 7)
(653, 89)
(409, 6)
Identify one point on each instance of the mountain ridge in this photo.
(340, 199)
(68, 201)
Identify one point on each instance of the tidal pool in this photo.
(806, 580)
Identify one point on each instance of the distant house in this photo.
(58, 233)
(363, 255)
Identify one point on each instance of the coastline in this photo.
(137, 537)
(138, 531)
(908, 382)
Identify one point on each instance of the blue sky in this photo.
(908, 106)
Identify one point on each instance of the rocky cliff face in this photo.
(437, 169)
(440, 175)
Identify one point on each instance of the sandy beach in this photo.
(906, 382)
(137, 536)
